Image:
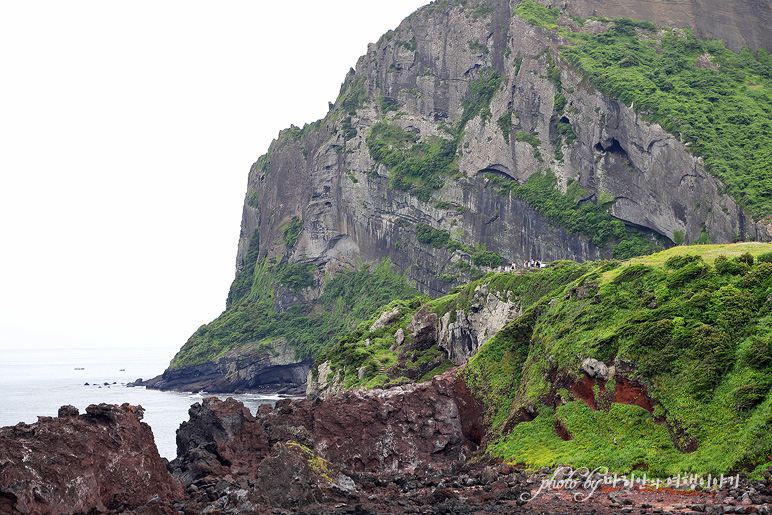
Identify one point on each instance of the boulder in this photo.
(104, 460)
(595, 369)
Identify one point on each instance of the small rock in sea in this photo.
(106, 384)
(86, 384)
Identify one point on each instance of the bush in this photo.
(483, 257)
(681, 261)
(726, 266)
(428, 235)
(632, 273)
(681, 276)
(297, 276)
(746, 258)
(291, 231)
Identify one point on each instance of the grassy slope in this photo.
(353, 352)
(348, 299)
(704, 352)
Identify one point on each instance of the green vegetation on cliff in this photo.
(684, 338)
(419, 167)
(254, 313)
(576, 214)
(718, 101)
(689, 328)
(365, 358)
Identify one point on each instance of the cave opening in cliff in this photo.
(616, 148)
(613, 148)
(500, 170)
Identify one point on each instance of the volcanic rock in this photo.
(103, 460)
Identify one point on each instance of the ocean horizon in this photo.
(36, 382)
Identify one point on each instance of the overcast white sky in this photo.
(127, 130)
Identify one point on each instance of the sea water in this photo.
(36, 382)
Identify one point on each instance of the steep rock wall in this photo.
(351, 213)
(420, 79)
(738, 24)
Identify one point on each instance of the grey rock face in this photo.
(487, 315)
(350, 213)
(738, 24)
(596, 369)
(324, 175)
(246, 368)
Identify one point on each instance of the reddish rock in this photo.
(221, 438)
(295, 476)
(396, 430)
(105, 460)
(400, 429)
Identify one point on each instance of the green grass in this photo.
(695, 323)
(624, 439)
(537, 14)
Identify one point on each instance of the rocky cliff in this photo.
(431, 154)
(246, 368)
(737, 24)
(102, 461)
(413, 341)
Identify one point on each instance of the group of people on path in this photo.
(532, 264)
(526, 264)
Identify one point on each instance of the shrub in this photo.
(746, 258)
(681, 261)
(483, 257)
(681, 276)
(297, 276)
(291, 230)
(428, 235)
(632, 273)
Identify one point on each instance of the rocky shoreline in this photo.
(397, 450)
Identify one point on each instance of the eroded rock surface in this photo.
(487, 315)
(400, 429)
(248, 368)
(104, 460)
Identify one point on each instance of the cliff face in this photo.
(104, 460)
(349, 212)
(737, 24)
(247, 368)
(476, 92)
